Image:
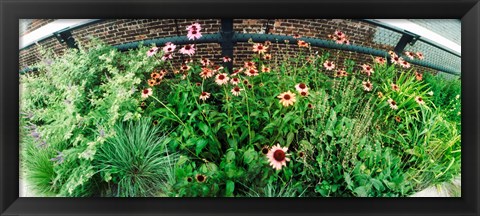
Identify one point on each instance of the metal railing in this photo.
(227, 38)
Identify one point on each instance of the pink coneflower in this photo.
(204, 96)
(152, 82)
(198, 84)
(392, 53)
(304, 93)
(329, 65)
(143, 105)
(367, 69)
(301, 87)
(236, 71)
(277, 156)
(221, 79)
(267, 56)
(287, 98)
(217, 68)
(236, 90)
(296, 36)
(302, 43)
(339, 34)
(188, 49)
(367, 85)
(398, 119)
(380, 60)
(419, 100)
(235, 80)
(155, 75)
(265, 69)
(188, 60)
(194, 34)
(147, 92)
(392, 104)
(267, 43)
(259, 48)
(162, 73)
(251, 72)
(265, 150)
(418, 76)
(410, 55)
(339, 40)
(396, 60)
(404, 64)
(339, 73)
(380, 94)
(194, 26)
(169, 47)
(344, 73)
(201, 178)
(420, 55)
(250, 64)
(205, 61)
(167, 56)
(227, 59)
(206, 73)
(152, 51)
(394, 87)
(184, 67)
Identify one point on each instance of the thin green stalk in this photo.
(180, 120)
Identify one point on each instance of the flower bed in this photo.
(99, 122)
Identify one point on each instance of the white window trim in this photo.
(48, 30)
(423, 32)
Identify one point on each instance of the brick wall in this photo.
(120, 31)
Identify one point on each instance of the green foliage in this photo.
(74, 102)
(135, 162)
(100, 133)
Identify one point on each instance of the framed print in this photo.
(237, 108)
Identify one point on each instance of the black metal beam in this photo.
(65, 36)
(226, 41)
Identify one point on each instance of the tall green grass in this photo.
(136, 162)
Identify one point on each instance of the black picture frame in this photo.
(13, 10)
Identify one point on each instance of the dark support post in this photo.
(407, 37)
(66, 36)
(226, 42)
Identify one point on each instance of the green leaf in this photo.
(203, 127)
(290, 137)
(230, 187)
(201, 143)
(230, 156)
(377, 184)
(249, 156)
(348, 180)
(361, 191)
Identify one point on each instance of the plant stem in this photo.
(180, 121)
